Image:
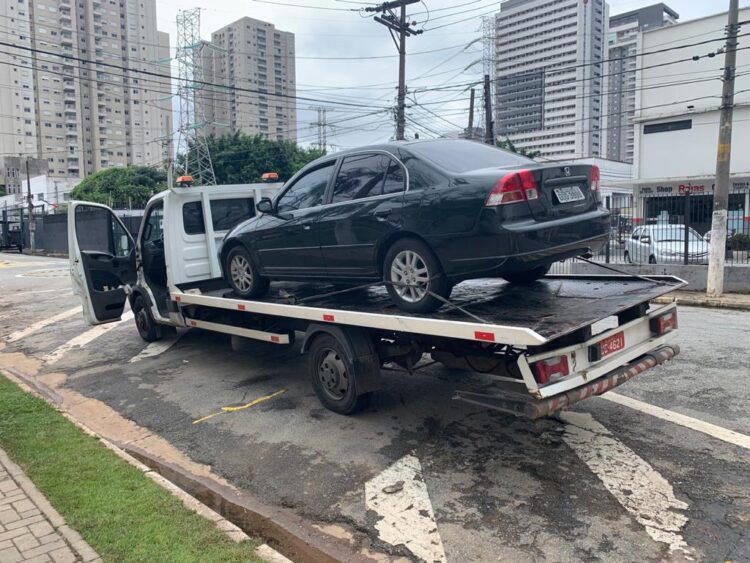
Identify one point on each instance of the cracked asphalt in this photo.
(501, 488)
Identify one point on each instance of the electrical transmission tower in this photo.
(399, 28)
(322, 127)
(190, 143)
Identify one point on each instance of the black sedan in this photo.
(421, 217)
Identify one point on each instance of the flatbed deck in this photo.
(490, 309)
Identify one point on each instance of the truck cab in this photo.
(177, 249)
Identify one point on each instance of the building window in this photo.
(668, 126)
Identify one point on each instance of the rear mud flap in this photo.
(527, 407)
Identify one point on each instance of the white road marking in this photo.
(712, 430)
(39, 325)
(155, 348)
(399, 495)
(85, 338)
(640, 489)
(33, 292)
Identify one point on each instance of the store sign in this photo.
(691, 188)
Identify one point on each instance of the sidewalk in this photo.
(737, 301)
(30, 529)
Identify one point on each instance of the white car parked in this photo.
(665, 244)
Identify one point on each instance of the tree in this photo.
(239, 158)
(128, 186)
(2, 190)
(508, 145)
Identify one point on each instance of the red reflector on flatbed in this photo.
(486, 336)
(240, 307)
(329, 318)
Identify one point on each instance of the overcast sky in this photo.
(322, 35)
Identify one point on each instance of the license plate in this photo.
(612, 344)
(568, 194)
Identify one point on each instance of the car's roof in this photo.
(392, 145)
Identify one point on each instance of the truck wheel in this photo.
(523, 278)
(334, 377)
(242, 274)
(144, 322)
(414, 274)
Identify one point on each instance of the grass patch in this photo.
(121, 513)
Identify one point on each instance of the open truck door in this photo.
(102, 260)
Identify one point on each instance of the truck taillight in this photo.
(595, 178)
(546, 371)
(512, 188)
(664, 323)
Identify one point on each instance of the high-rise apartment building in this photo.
(622, 40)
(63, 104)
(548, 70)
(254, 56)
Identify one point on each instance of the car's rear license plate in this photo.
(568, 194)
(612, 344)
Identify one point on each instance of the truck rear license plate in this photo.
(568, 194)
(612, 344)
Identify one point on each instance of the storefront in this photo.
(690, 202)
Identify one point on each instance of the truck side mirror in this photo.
(265, 205)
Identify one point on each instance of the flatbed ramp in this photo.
(482, 309)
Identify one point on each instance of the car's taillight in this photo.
(546, 371)
(512, 188)
(664, 323)
(595, 178)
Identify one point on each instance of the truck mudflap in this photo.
(527, 407)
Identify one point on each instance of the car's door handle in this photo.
(306, 227)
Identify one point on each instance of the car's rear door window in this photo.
(463, 156)
(368, 175)
(307, 191)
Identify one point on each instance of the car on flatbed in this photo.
(420, 217)
(544, 346)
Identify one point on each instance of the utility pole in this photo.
(489, 134)
(30, 200)
(398, 25)
(471, 115)
(715, 281)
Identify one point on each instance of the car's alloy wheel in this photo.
(410, 276)
(241, 273)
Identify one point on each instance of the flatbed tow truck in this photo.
(546, 345)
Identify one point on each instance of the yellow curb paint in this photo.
(242, 407)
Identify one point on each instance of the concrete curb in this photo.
(71, 537)
(232, 531)
(734, 302)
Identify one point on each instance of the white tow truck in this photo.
(544, 346)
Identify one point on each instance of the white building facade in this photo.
(549, 85)
(622, 45)
(75, 112)
(677, 124)
(258, 58)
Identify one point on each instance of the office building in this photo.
(76, 113)
(622, 39)
(549, 86)
(258, 58)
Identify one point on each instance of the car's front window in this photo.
(674, 233)
(307, 191)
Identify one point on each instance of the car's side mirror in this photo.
(265, 205)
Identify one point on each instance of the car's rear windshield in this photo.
(674, 233)
(463, 156)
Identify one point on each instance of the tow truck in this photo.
(544, 346)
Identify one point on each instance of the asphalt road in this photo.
(605, 482)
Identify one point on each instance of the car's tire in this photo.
(528, 276)
(626, 256)
(410, 261)
(334, 377)
(652, 259)
(144, 321)
(242, 274)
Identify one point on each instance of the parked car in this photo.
(665, 244)
(421, 216)
(728, 250)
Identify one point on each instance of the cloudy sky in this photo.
(343, 57)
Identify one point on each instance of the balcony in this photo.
(71, 133)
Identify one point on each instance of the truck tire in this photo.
(144, 322)
(529, 276)
(243, 275)
(414, 276)
(334, 377)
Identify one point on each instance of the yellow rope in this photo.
(242, 407)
